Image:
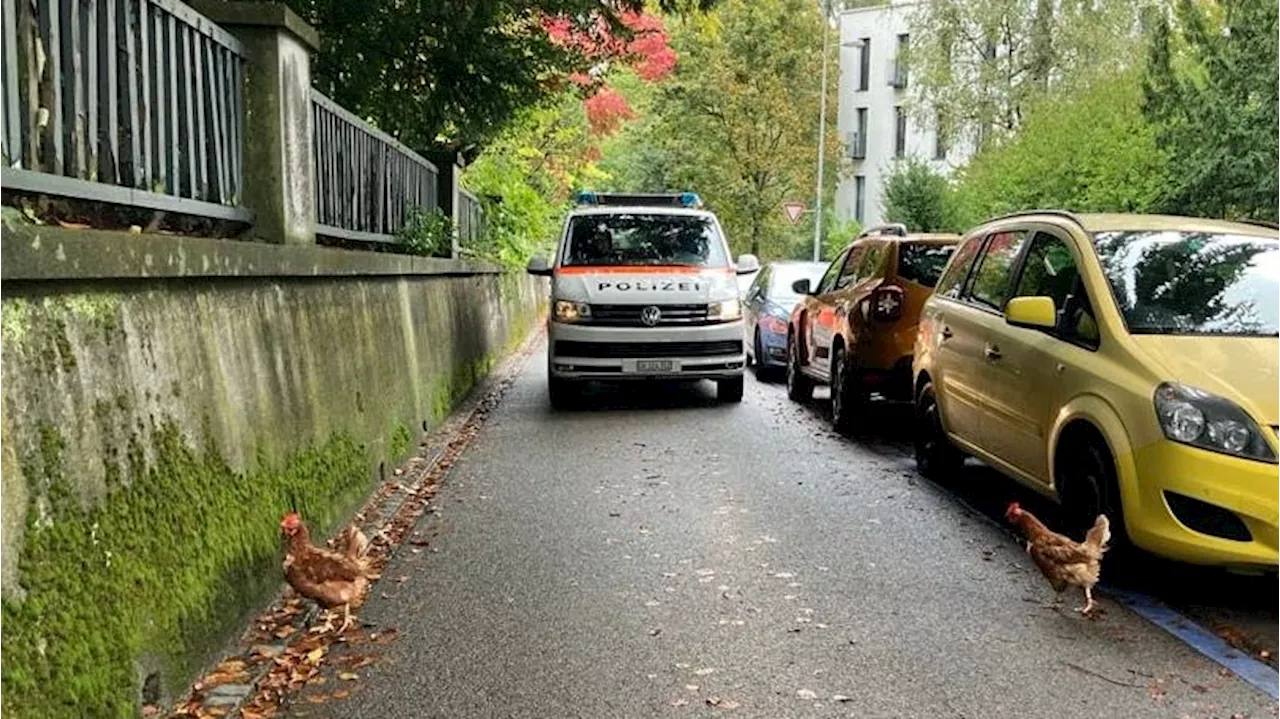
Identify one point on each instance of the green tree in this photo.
(1211, 91)
(919, 197)
(737, 121)
(978, 64)
(1087, 150)
(527, 174)
(452, 73)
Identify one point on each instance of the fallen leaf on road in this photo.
(315, 655)
(348, 676)
(679, 703)
(729, 704)
(341, 694)
(705, 671)
(691, 687)
(841, 698)
(284, 632)
(654, 632)
(318, 698)
(807, 694)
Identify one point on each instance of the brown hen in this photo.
(1063, 561)
(328, 577)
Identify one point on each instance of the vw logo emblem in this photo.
(650, 316)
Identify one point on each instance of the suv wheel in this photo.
(847, 396)
(729, 390)
(1087, 486)
(799, 387)
(936, 457)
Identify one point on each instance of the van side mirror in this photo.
(1033, 312)
(539, 266)
(748, 263)
(802, 287)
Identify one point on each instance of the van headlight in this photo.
(1200, 419)
(570, 311)
(724, 311)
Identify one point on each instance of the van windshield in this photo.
(1193, 283)
(644, 239)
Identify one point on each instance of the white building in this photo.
(875, 114)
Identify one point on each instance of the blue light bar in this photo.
(682, 199)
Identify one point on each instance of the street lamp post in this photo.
(822, 136)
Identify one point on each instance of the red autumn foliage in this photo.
(647, 50)
(606, 111)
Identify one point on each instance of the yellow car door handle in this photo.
(992, 352)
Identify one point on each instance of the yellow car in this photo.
(1125, 364)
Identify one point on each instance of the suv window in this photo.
(992, 280)
(850, 273)
(872, 263)
(1050, 271)
(953, 276)
(829, 278)
(922, 263)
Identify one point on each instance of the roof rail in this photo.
(1262, 223)
(888, 228)
(1026, 213)
(678, 199)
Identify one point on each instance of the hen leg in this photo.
(327, 627)
(1088, 604)
(346, 618)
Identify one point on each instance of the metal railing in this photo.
(470, 219)
(366, 180)
(135, 102)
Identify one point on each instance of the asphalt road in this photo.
(655, 554)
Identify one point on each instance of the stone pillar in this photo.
(279, 182)
(449, 165)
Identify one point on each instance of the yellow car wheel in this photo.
(1086, 481)
(936, 457)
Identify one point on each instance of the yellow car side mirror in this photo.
(1035, 312)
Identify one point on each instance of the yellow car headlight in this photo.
(1201, 419)
(570, 311)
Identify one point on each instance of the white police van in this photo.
(644, 287)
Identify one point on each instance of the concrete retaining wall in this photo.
(166, 399)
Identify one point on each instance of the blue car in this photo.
(767, 305)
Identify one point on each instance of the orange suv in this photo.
(857, 329)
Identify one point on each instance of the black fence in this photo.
(134, 102)
(366, 181)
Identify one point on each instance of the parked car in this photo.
(1121, 364)
(767, 306)
(856, 330)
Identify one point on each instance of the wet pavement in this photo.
(657, 554)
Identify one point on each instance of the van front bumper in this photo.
(621, 353)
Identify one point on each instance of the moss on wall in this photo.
(160, 429)
(173, 557)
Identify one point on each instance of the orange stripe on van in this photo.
(640, 270)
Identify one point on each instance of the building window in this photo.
(898, 78)
(940, 137)
(860, 198)
(899, 131)
(864, 64)
(858, 143)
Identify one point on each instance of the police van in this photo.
(644, 287)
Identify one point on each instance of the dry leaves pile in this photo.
(282, 656)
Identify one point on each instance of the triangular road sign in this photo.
(794, 210)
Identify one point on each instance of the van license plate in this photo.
(655, 366)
